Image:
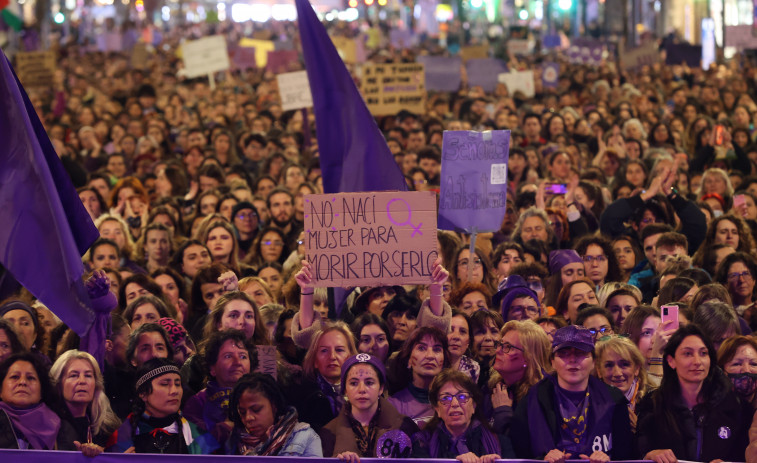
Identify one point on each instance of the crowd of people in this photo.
(609, 318)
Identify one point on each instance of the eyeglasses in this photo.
(534, 285)
(247, 216)
(736, 276)
(278, 244)
(466, 263)
(506, 347)
(601, 330)
(462, 399)
(600, 258)
(527, 309)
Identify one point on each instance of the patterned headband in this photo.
(157, 372)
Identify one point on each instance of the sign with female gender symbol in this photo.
(371, 238)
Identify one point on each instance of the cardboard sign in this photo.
(390, 88)
(474, 180)
(36, 68)
(280, 60)
(484, 72)
(266, 360)
(442, 73)
(243, 58)
(519, 81)
(139, 56)
(740, 37)
(645, 55)
(371, 238)
(262, 47)
(294, 90)
(347, 49)
(520, 47)
(474, 52)
(207, 55)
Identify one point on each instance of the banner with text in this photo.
(371, 238)
(442, 72)
(390, 88)
(474, 180)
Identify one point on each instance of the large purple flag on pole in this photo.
(354, 154)
(44, 228)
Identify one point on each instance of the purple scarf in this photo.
(39, 425)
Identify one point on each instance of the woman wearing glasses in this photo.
(600, 262)
(476, 268)
(621, 364)
(269, 246)
(572, 414)
(522, 355)
(458, 429)
(736, 273)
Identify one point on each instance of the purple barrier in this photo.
(37, 456)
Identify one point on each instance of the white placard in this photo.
(294, 90)
(740, 37)
(520, 47)
(518, 80)
(205, 56)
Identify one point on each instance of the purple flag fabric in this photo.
(354, 155)
(680, 52)
(45, 227)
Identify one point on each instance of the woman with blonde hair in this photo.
(522, 356)
(621, 364)
(114, 228)
(236, 310)
(77, 378)
(316, 392)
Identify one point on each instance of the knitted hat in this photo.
(511, 288)
(573, 336)
(243, 205)
(154, 368)
(18, 305)
(560, 258)
(176, 332)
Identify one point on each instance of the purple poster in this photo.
(442, 73)
(279, 61)
(550, 74)
(484, 72)
(474, 180)
(401, 38)
(243, 58)
(676, 53)
(551, 41)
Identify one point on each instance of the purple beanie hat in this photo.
(560, 258)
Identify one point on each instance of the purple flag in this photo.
(679, 52)
(354, 154)
(550, 75)
(45, 227)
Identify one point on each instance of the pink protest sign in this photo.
(371, 238)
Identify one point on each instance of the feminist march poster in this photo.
(474, 180)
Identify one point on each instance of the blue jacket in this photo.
(303, 442)
(535, 427)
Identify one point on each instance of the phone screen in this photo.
(556, 188)
(670, 312)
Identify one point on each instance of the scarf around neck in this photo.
(39, 425)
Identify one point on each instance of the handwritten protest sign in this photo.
(389, 88)
(266, 360)
(205, 56)
(474, 52)
(294, 90)
(474, 180)
(347, 49)
(35, 68)
(371, 238)
(645, 55)
(139, 56)
(519, 81)
(520, 47)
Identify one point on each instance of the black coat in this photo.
(706, 433)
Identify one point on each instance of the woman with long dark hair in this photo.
(694, 414)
